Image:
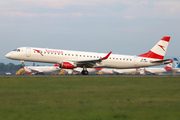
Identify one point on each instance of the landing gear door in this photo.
(135, 60)
(28, 51)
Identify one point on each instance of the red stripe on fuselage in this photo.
(153, 55)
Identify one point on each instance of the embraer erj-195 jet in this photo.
(72, 59)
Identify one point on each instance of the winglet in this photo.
(106, 57)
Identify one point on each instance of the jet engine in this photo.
(67, 65)
(28, 72)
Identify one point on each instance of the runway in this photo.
(89, 75)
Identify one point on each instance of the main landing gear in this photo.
(84, 71)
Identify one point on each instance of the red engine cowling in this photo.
(67, 65)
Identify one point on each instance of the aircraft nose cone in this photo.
(8, 55)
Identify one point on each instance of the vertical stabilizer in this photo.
(176, 63)
(159, 50)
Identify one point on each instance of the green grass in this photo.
(89, 98)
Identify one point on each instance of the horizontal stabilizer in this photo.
(166, 61)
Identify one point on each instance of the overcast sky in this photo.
(130, 27)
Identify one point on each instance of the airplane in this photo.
(40, 69)
(159, 70)
(109, 71)
(177, 65)
(121, 71)
(71, 59)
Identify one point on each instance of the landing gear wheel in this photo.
(84, 72)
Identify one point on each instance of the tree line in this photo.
(10, 67)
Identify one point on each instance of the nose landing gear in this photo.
(22, 62)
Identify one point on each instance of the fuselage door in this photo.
(135, 60)
(28, 51)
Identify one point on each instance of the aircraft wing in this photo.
(166, 61)
(91, 62)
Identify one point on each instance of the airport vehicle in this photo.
(8, 73)
(40, 69)
(159, 70)
(72, 59)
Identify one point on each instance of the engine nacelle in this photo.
(67, 65)
(28, 72)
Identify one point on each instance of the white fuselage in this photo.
(155, 70)
(125, 70)
(58, 56)
(41, 68)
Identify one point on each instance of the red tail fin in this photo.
(159, 50)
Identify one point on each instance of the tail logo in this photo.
(162, 47)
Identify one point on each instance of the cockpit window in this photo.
(18, 50)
